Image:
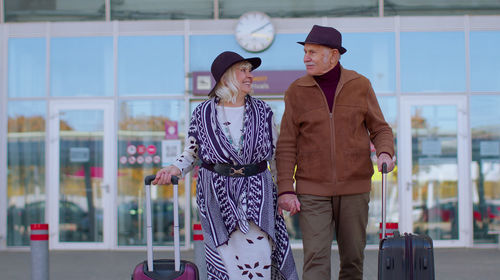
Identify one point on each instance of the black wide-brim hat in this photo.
(326, 36)
(224, 61)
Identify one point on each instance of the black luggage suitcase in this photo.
(163, 269)
(407, 256)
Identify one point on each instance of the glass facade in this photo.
(145, 65)
(297, 8)
(69, 56)
(485, 166)
(439, 67)
(27, 67)
(26, 190)
(485, 61)
(153, 9)
(54, 10)
(145, 70)
(435, 151)
(97, 10)
(388, 104)
(141, 140)
(74, 10)
(81, 168)
(451, 7)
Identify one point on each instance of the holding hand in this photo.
(164, 176)
(288, 202)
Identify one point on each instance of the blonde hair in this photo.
(228, 87)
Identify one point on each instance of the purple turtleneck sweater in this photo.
(328, 83)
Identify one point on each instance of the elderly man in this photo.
(331, 115)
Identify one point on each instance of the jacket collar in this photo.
(345, 76)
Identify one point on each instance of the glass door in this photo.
(81, 174)
(434, 170)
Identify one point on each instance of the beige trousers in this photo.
(320, 218)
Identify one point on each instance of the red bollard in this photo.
(199, 251)
(390, 229)
(39, 251)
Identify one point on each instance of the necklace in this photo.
(237, 145)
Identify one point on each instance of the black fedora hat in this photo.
(326, 36)
(227, 59)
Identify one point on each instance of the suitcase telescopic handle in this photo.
(384, 198)
(149, 224)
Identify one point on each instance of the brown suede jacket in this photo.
(330, 149)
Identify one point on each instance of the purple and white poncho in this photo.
(227, 204)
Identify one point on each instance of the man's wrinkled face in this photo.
(319, 59)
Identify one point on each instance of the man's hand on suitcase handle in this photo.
(166, 175)
(385, 158)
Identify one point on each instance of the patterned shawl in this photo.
(226, 203)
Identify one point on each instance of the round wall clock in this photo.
(254, 31)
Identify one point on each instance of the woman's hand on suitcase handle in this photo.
(164, 176)
(385, 158)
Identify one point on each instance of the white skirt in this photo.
(247, 256)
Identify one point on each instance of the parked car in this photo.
(74, 223)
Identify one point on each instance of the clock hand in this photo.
(260, 28)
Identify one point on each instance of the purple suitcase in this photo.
(164, 269)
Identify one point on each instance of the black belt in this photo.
(230, 170)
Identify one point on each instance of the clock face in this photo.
(254, 31)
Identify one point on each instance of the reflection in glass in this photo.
(449, 7)
(435, 171)
(278, 108)
(154, 9)
(372, 55)
(298, 8)
(485, 169)
(81, 66)
(142, 126)
(388, 104)
(25, 169)
(440, 68)
(26, 67)
(145, 65)
(485, 61)
(51, 10)
(81, 134)
(292, 222)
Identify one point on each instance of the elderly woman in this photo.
(234, 136)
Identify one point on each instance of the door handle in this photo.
(105, 187)
(409, 185)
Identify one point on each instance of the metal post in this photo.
(39, 251)
(149, 228)
(177, 250)
(384, 199)
(199, 251)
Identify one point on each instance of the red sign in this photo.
(171, 130)
(151, 149)
(141, 149)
